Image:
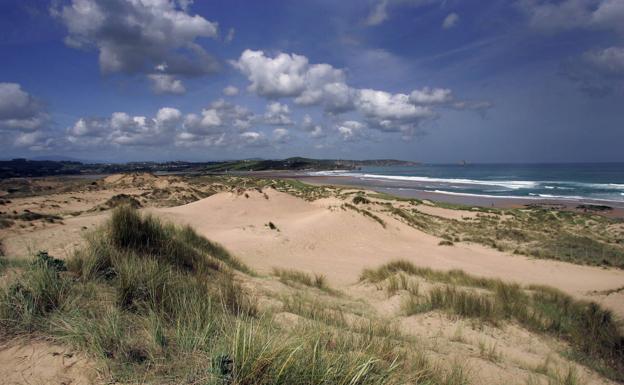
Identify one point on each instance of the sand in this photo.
(43, 363)
(320, 237)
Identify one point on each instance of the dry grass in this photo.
(154, 303)
(590, 330)
(289, 276)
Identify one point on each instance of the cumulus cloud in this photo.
(277, 114)
(123, 129)
(163, 83)
(137, 36)
(350, 130)
(276, 77)
(19, 110)
(553, 16)
(429, 95)
(281, 135)
(314, 130)
(392, 112)
(609, 60)
(292, 76)
(220, 124)
(384, 105)
(597, 72)
(251, 139)
(380, 11)
(450, 21)
(219, 117)
(230, 91)
(35, 141)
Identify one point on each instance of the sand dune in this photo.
(321, 237)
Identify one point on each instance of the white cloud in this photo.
(350, 129)
(291, 75)
(479, 106)
(163, 83)
(124, 129)
(313, 129)
(384, 105)
(135, 36)
(34, 141)
(609, 60)
(230, 35)
(450, 20)
(168, 116)
(251, 139)
(19, 110)
(281, 76)
(380, 12)
(428, 95)
(277, 114)
(280, 135)
(597, 72)
(219, 117)
(230, 91)
(553, 16)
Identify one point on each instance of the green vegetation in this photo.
(155, 303)
(120, 200)
(6, 220)
(591, 331)
(5, 223)
(43, 259)
(358, 199)
(366, 213)
(288, 276)
(544, 233)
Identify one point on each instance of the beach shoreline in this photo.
(405, 189)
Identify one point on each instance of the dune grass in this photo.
(155, 303)
(289, 276)
(591, 331)
(579, 238)
(366, 213)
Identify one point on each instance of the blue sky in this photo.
(427, 80)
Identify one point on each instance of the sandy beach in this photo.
(417, 191)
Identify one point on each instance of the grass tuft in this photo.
(591, 331)
(160, 304)
(289, 276)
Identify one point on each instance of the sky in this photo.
(439, 81)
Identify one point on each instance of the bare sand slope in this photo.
(321, 237)
(59, 240)
(42, 363)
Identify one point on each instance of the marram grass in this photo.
(155, 303)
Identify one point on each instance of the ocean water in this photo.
(596, 182)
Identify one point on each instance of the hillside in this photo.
(36, 168)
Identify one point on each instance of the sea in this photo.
(591, 182)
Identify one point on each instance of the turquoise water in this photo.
(577, 182)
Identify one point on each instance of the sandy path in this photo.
(320, 237)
